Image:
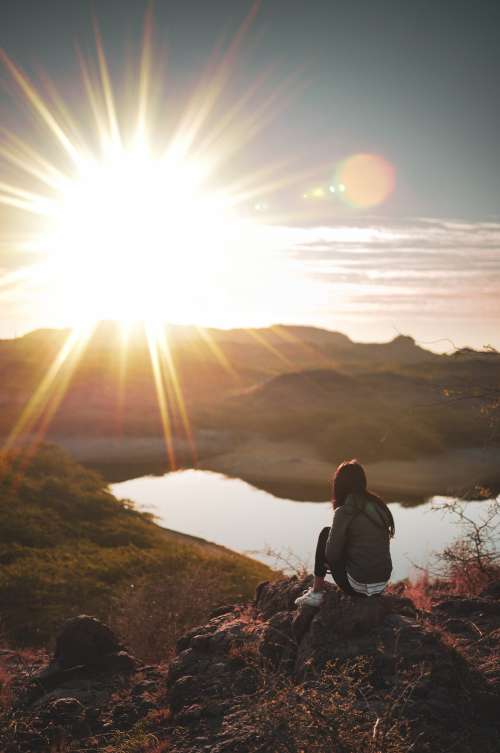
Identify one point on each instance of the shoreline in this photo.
(289, 469)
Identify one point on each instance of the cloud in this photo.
(420, 266)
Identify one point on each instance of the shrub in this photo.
(472, 561)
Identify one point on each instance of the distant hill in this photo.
(209, 363)
(379, 401)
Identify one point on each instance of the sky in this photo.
(414, 83)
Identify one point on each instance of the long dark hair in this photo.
(350, 477)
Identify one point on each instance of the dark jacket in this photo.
(359, 537)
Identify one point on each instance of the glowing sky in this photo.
(387, 115)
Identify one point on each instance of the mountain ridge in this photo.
(228, 392)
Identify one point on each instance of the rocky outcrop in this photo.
(407, 668)
(90, 688)
(354, 676)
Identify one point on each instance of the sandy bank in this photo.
(295, 470)
(289, 469)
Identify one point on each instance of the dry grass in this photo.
(136, 740)
(420, 591)
(5, 688)
(150, 617)
(336, 712)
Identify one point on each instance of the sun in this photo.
(140, 216)
(135, 236)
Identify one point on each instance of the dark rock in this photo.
(223, 609)
(278, 644)
(185, 640)
(221, 640)
(217, 708)
(86, 652)
(145, 686)
(124, 715)
(302, 622)
(459, 627)
(246, 681)
(146, 706)
(492, 591)
(280, 595)
(63, 711)
(346, 627)
(185, 663)
(183, 692)
(52, 677)
(219, 667)
(487, 705)
(396, 604)
(200, 642)
(460, 606)
(92, 715)
(121, 663)
(191, 713)
(84, 640)
(65, 714)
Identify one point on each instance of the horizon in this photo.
(130, 329)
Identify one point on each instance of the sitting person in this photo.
(356, 547)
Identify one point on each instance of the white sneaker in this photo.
(310, 598)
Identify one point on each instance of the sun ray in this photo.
(161, 394)
(107, 89)
(40, 107)
(57, 395)
(173, 380)
(25, 200)
(19, 276)
(23, 156)
(51, 389)
(91, 90)
(145, 74)
(122, 375)
(289, 337)
(218, 352)
(209, 92)
(260, 338)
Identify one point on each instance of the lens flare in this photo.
(365, 180)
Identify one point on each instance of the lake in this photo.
(235, 514)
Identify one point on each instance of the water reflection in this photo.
(315, 491)
(235, 514)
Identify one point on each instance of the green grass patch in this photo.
(68, 546)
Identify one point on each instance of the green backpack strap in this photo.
(379, 520)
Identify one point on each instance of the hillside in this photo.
(68, 545)
(241, 389)
(204, 358)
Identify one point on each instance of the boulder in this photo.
(84, 640)
(280, 595)
(63, 711)
(87, 655)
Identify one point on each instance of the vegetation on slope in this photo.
(67, 546)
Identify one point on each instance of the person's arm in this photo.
(337, 536)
